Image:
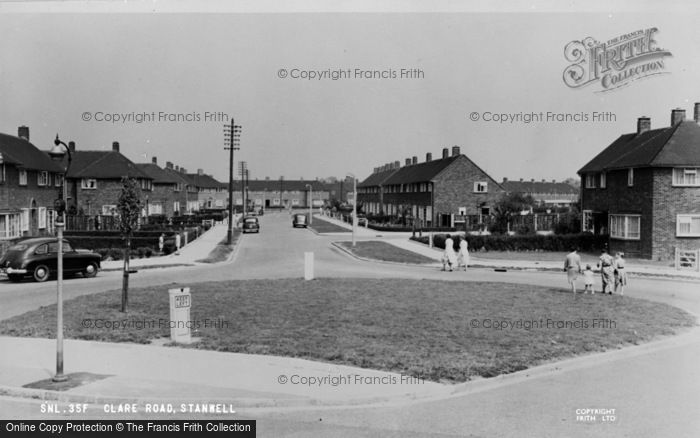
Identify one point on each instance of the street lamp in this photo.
(354, 206)
(311, 202)
(57, 153)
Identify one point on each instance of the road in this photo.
(653, 392)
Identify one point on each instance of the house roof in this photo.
(421, 172)
(22, 153)
(205, 181)
(102, 165)
(159, 175)
(273, 185)
(377, 178)
(677, 145)
(180, 176)
(539, 187)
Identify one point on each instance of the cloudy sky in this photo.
(57, 67)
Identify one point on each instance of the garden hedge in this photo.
(559, 243)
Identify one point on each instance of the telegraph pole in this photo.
(232, 141)
(242, 171)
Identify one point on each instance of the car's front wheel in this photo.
(41, 273)
(90, 270)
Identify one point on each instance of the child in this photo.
(588, 280)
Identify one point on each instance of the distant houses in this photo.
(550, 194)
(644, 189)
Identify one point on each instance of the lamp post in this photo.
(311, 202)
(57, 153)
(354, 206)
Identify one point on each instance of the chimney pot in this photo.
(115, 146)
(23, 132)
(168, 165)
(643, 124)
(532, 180)
(200, 172)
(428, 157)
(554, 181)
(543, 180)
(415, 160)
(408, 161)
(71, 146)
(445, 152)
(505, 179)
(177, 168)
(521, 180)
(154, 160)
(183, 170)
(397, 164)
(696, 113)
(455, 151)
(677, 116)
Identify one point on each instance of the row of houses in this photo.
(30, 180)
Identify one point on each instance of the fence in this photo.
(687, 260)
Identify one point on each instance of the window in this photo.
(155, 208)
(481, 187)
(42, 178)
(53, 247)
(624, 227)
(587, 222)
(42, 217)
(630, 177)
(9, 225)
(178, 187)
(276, 201)
(688, 225)
(42, 249)
(24, 220)
(295, 202)
(23, 177)
(146, 184)
(686, 177)
(2, 175)
(58, 180)
(176, 207)
(590, 181)
(88, 184)
(109, 210)
(602, 180)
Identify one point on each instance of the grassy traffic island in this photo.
(386, 252)
(438, 330)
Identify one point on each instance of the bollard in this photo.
(430, 239)
(180, 303)
(308, 266)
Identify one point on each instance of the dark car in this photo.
(38, 258)
(299, 220)
(251, 224)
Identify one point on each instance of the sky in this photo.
(70, 72)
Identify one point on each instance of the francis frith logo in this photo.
(616, 62)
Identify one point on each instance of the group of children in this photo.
(612, 272)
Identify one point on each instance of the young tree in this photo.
(129, 208)
(508, 205)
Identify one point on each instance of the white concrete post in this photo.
(308, 266)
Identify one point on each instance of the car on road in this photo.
(299, 220)
(251, 224)
(38, 258)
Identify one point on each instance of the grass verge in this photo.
(222, 250)
(441, 331)
(377, 250)
(321, 226)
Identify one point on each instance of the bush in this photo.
(560, 243)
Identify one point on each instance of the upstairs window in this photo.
(88, 184)
(602, 180)
(58, 179)
(630, 177)
(687, 176)
(23, 177)
(42, 178)
(481, 187)
(590, 181)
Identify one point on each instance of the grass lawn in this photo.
(321, 226)
(373, 249)
(222, 250)
(441, 331)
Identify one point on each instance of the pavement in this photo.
(123, 373)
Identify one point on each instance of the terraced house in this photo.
(29, 184)
(438, 192)
(164, 198)
(644, 189)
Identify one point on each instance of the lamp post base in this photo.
(59, 378)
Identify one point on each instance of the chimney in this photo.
(183, 170)
(177, 168)
(154, 160)
(696, 114)
(23, 132)
(397, 164)
(267, 178)
(455, 151)
(200, 172)
(168, 165)
(554, 181)
(643, 124)
(408, 161)
(505, 179)
(71, 146)
(543, 180)
(445, 152)
(428, 157)
(677, 116)
(532, 180)
(415, 160)
(521, 180)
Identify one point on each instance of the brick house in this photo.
(29, 185)
(644, 189)
(185, 191)
(370, 193)
(545, 193)
(438, 192)
(211, 194)
(94, 180)
(164, 197)
(281, 193)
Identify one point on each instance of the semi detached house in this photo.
(644, 189)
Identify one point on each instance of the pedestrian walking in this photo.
(607, 272)
(449, 258)
(161, 242)
(177, 243)
(572, 267)
(619, 272)
(463, 255)
(588, 279)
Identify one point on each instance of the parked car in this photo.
(251, 224)
(38, 258)
(299, 220)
